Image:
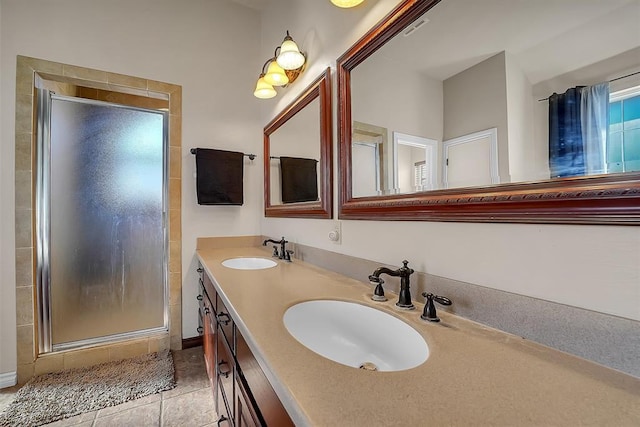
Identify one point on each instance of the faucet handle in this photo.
(275, 251)
(287, 255)
(429, 312)
(378, 293)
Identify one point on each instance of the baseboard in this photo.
(191, 342)
(8, 380)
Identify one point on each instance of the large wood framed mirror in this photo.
(298, 156)
(468, 94)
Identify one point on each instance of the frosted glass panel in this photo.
(107, 243)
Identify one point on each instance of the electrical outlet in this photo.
(335, 235)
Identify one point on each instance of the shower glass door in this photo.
(102, 236)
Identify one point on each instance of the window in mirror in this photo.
(623, 148)
(297, 149)
(461, 67)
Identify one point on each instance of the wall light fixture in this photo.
(283, 68)
(346, 3)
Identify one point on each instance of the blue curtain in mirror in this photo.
(566, 152)
(578, 130)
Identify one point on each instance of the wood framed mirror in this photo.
(298, 156)
(442, 39)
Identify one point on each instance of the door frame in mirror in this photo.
(321, 89)
(608, 199)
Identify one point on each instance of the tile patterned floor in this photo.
(189, 404)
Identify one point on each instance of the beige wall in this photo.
(594, 267)
(387, 94)
(525, 161)
(165, 40)
(476, 100)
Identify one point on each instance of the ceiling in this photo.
(547, 37)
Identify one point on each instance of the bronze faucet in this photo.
(284, 253)
(404, 298)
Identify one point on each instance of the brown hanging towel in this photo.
(219, 177)
(299, 179)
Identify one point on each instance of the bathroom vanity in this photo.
(474, 375)
(242, 393)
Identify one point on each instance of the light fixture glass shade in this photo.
(264, 90)
(275, 75)
(346, 3)
(290, 57)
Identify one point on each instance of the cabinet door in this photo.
(209, 340)
(226, 324)
(207, 284)
(225, 375)
(245, 413)
(258, 386)
(223, 408)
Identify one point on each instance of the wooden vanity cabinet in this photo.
(243, 396)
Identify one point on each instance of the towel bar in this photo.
(250, 156)
(278, 158)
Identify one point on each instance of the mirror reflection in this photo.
(487, 92)
(295, 152)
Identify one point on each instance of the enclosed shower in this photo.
(101, 222)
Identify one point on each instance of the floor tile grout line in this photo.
(161, 420)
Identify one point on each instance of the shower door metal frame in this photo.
(43, 223)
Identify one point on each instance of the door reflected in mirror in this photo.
(297, 151)
(369, 151)
(414, 163)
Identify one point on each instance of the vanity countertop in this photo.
(474, 375)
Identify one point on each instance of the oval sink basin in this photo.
(356, 335)
(249, 263)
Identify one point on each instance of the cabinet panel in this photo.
(265, 397)
(207, 284)
(245, 412)
(226, 324)
(225, 375)
(222, 408)
(209, 340)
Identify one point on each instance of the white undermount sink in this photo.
(249, 263)
(356, 335)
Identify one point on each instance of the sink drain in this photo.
(368, 366)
